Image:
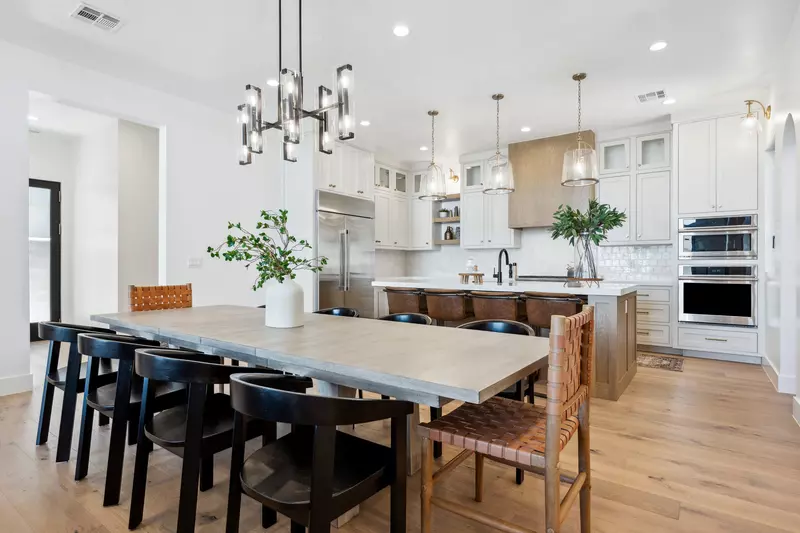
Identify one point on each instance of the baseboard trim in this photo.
(771, 372)
(796, 410)
(16, 384)
(748, 359)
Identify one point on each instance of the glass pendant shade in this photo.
(580, 166)
(250, 116)
(291, 87)
(751, 124)
(501, 176)
(344, 94)
(324, 138)
(244, 152)
(434, 185)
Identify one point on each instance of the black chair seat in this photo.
(106, 375)
(281, 471)
(168, 428)
(169, 393)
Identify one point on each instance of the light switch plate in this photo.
(194, 262)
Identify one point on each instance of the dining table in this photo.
(425, 365)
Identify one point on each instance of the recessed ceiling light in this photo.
(669, 101)
(364, 122)
(658, 45)
(32, 118)
(525, 129)
(401, 30)
(272, 83)
(423, 148)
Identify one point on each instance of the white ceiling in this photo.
(459, 52)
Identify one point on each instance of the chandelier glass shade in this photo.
(580, 163)
(501, 176)
(434, 183)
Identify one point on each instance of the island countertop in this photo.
(453, 283)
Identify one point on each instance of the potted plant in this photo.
(444, 213)
(585, 231)
(276, 256)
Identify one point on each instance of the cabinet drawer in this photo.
(718, 341)
(649, 294)
(652, 334)
(647, 312)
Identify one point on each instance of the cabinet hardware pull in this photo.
(647, 333)
(643, 294)
(639, 235)
(377, 241)
(642, 312)
(395, 242)
(427, 243)
(716, 340)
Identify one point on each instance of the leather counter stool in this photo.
(541, 306)
(445, 305)
(404, 300)
(495, 305)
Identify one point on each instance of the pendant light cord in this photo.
(300, 31)
(433, 141)
(579, 112)
(280, 36)
(497, 152)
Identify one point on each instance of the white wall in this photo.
(204, 186)
(138, 208)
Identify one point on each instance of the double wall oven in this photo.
(716, 283)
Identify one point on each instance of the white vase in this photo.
(284, 304)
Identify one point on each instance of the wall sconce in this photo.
(453, 176)
(750, 121)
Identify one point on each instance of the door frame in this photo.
(55, 250)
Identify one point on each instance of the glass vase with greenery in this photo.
(585, 231)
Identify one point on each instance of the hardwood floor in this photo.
(710, 449)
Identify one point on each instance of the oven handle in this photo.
(727, 279)
(718, 230)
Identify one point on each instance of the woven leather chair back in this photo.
(403, 300)
(570, 363)
(153, 297)
(446, 305)
(495, 305)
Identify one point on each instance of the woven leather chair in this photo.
(446, 305)
(404, 300)
(154, 297)
(495, 305)
(524, 435)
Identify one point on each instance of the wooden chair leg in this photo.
(552, 475)
(398, 487)
(436, 413)
(426, 480)
(235, 487)
(584, 457)
(478, 477)
(206, 473)
(143, 447)
(48, 389)
(68, 405)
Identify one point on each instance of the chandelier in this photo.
(580, 163)
(290, 106)
(501, 177)
(434, 186)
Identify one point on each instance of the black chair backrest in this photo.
(411, 318)
(182, 366)
(339, 311)
(500, 326)
(281, 399)
(112, 346)
(62, 332)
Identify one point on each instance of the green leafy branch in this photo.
(596, 222)
(270, 248)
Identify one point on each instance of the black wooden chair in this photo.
(519, 391)
(119, 401)
(410, 318)
(70, 379)
(315, 473)
(339, 311)
(196, 431)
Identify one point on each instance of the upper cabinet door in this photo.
(398, 222)
(383, 178)
(473, 176)
(652, 206)
(364, 173)
(616, 192)
(615, 156)
(421, 224)
(382, 221)
(472, 225)
(496, 230)
(652, 152)
(416, 183)
(400, 182)
(737, 166)
(696, 167)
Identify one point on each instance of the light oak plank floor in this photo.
(711, 449)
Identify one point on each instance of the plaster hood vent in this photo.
(654, 96)
(96, 18)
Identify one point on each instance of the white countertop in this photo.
(605, 289)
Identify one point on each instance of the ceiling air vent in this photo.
(95, 17)
(654, 96)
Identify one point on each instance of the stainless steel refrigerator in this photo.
(346, 236)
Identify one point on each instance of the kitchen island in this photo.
(615, 316)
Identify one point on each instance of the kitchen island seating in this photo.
(315, 473)
(339, 311)
(541, 306)
(495, 305)
(410, 318)
(119, 401)
(402, 300)
(446, 305)
(524, 435)
(70, 379)
(196, 430)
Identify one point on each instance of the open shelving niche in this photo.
(440, 224)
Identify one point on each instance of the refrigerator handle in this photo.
(342, 268)
(347, 260)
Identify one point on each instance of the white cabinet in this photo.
(616, 191)
(363, 171)
(382, 221)
(653, 206)
(614, 156)
(473, 176)
(484, 222)
(327, 173)
(398, 222)
(653, 316)
(383, 178)
(348, 170)
(652, 152)
(421, 229)
(717, 167)
(400, 181)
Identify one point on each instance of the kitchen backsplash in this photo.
(636, 263)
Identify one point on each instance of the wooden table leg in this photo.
(338, 391)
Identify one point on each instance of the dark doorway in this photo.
(44, 252)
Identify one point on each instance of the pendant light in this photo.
(501, 178)
(434, 185)
(580, 163)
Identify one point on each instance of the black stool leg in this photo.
(235, 487)
(87, 416)
(297, 528)
(398, 487)
(102, 420)
(119, 426)
(143, 447)
(47, 393)
(192, 459)
(68, 405)
(133, 431)
(206, 473)
(268, 516)
(436, 412)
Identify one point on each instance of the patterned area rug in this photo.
(665, 362)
